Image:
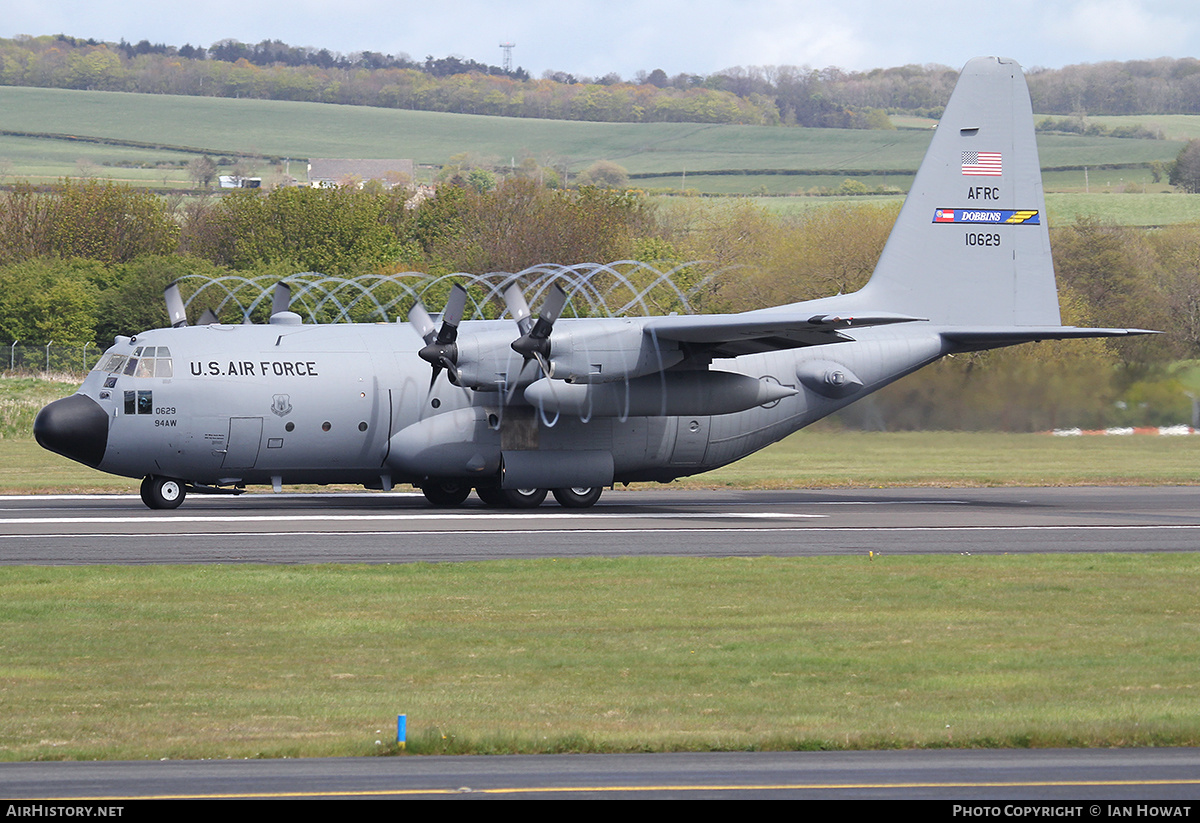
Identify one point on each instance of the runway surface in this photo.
(399, 528)
(1051, 776)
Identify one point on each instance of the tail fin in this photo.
(971, 246)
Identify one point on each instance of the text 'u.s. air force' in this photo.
(254, 368)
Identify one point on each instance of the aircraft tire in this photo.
(446, 492)
(523, 498)
(162, 492)
(575, 498)
(491, 496)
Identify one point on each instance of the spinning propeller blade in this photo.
(281, 300)
(422, 323)
(514, 298)
(439, 350)
(175, 310)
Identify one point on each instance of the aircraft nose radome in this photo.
(75, 427)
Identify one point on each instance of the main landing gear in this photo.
(578, 498)
(446, 493)
(449, 493)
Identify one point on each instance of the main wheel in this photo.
(578, 498)
(524, 498)
(491, 496)
(163, 492)
(446, 492)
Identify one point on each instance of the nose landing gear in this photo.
(163, 492)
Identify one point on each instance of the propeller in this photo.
(534, 342)
(514, 298)
(281, 300)
(440, 350)
(422, 323)
(175, 310)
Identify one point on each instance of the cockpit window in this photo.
(111, 363)
(146, 361)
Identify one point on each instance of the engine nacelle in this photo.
(485, 361)
(603, 351)
(670, 393)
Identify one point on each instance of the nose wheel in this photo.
(163, 492)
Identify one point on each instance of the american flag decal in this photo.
(981, 163)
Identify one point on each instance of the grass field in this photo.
(619, 654)
(1123, 209)
(1170, 126)
(304, 130)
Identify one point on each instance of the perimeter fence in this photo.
(26, 359)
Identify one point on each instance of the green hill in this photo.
(726, 159)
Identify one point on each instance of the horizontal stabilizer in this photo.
(976, 337)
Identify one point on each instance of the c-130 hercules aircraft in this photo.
(576, 405)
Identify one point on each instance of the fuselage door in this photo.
(241, 449)
(691, 441)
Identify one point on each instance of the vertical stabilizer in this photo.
(971, 246)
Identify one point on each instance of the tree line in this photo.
(276, 52)
(89, 259)
(445, 85)
(799, 95)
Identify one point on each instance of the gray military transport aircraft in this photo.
(580, 404)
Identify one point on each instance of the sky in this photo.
(591, 38)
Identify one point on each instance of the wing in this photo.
(731, 335)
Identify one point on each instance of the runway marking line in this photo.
(406, 516)
(1017, 784)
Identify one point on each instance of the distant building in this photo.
(326, 173)
(232, 181)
